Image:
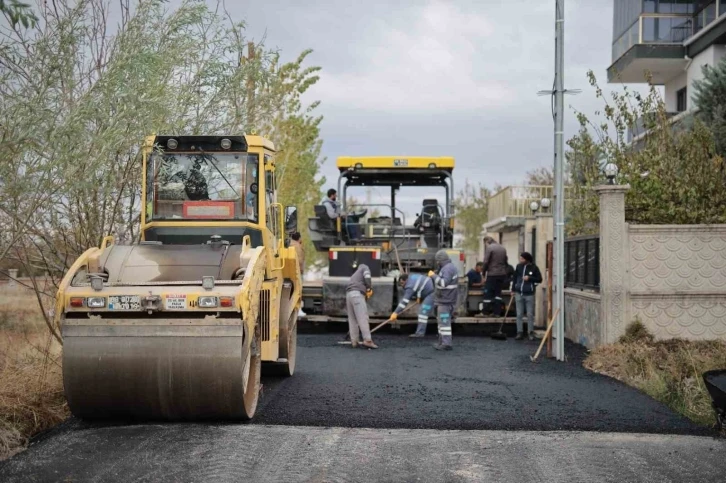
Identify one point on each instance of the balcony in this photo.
(514, 201)
(654, 43)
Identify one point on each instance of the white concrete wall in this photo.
(677, 285)
(670, 277)
(510, 241)
(670, 89)
(710, 56)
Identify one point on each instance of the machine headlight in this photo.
(226, 143)
(96, 302)
(432, 166)
(358, 165)
(208, 302)
(172, 143)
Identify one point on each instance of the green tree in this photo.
(542, 176)
(676, 175)
(470, 207)
(18, 13)
(77, 101)
(583, 165)
(710, 99)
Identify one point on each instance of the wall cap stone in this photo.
(611, 188)
(677, 228)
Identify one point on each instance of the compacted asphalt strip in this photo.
(404, 412)
(481, 384)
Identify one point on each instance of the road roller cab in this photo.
(178, 325)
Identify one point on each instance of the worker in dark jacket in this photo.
(359, 289)
(526, 278)
(420, 288)
(495, 268)
(446, 283)
(475, 276)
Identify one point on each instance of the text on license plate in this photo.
(124, 302)
(176, 302)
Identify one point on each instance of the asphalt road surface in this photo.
(402, 413)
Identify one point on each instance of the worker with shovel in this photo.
(446, 283)
(422, 288)
(359, 289)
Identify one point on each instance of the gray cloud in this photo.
(440, 77)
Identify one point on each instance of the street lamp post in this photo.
(611, 171)
(545, 204)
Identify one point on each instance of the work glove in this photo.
(369, 293)
(431, 273)
(394, 316)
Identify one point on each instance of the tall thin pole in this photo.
(559, 215)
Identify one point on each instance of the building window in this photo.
(704, 17)
(668, 6)
(681, 100)
(666, 30)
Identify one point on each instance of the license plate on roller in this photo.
(176, 302)
(124, 302)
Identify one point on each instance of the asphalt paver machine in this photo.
(387, 241)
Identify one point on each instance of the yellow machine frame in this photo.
(280, 262)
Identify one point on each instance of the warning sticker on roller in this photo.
(176, 302)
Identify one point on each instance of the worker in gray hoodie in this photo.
(359, 289)
(446, 283)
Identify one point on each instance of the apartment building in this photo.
(671, 39)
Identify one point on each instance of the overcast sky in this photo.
(455, 78)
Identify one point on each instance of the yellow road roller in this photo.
(181, 324)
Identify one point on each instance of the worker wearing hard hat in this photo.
(421, 289)
(359, 289)
(446, 282)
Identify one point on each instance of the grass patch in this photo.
(669, 370)
(31, 383)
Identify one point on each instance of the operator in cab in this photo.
(359, 289)
(422, 288)
(446, 283)
(332, 208)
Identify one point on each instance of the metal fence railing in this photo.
(515, 200)
(582, 262)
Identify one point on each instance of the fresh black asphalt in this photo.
(307, 425)
(481, 384)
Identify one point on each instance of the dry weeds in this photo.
(669, 371)
(31, 385)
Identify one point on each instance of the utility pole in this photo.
(558, 269)
(559, 218)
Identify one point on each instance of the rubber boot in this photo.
(368, 344)
(520, 336)
(420, 331)
(444, 343)
(530, 336)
